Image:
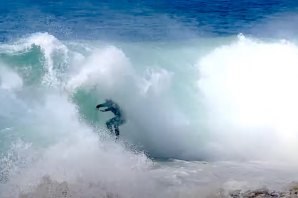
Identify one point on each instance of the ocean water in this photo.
(209, 89)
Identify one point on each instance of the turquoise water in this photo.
(208, 89)
(191, 108)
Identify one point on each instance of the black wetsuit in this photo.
(115, 121)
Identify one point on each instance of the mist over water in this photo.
(210, 98)
(252, 94)
(224, 103)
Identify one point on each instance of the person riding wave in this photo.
(116, 121)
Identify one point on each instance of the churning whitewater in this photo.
(202, 116)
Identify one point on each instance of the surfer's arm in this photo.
(108, 109)
(100, 105)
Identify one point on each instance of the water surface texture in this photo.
(209, 89)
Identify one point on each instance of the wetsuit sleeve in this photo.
(100, 105)
(108, 109)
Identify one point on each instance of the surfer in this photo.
(115, 121)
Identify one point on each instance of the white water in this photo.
(253, 98)
(235, 100)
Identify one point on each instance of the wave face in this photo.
(217, 99)
(207, 111)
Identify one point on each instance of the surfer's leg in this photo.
(109, 125)
(117, 132)
(116, 126)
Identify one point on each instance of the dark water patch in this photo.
(137, 20)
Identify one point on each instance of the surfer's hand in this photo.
(102, 110)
